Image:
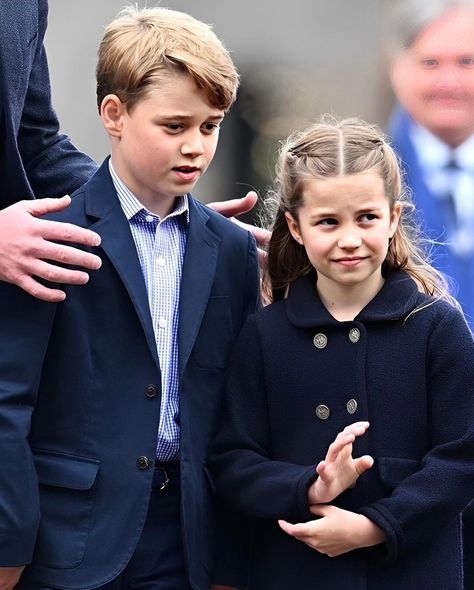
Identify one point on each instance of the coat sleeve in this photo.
(241, 464)
(52, 163)
(435, 494)
(25, 325)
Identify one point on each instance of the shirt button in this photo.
(322, 412)
(320, 340)
(162, 323)
(150, 391)
(354, 335)
(149, 218)
(161, 261)
(351, 406)
(143, 462)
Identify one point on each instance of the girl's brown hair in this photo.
(331, 148)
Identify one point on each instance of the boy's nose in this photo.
(193, 144)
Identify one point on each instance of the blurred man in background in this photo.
(432, 75)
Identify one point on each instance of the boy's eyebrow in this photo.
(182, 117)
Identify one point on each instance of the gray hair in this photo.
(409, 18)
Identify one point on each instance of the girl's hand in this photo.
(339, 470)
(337, 532)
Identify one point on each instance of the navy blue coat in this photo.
(74, 413)
(433, 215)
(35, 159)
(411, 377)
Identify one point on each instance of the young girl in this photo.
(361, 328)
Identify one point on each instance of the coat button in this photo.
(150, 391)
(354, 335)
(351, 406)
(320, 340)
(322, 412)
(143, 462)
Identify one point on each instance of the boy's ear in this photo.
(112, 110)
(294, 227)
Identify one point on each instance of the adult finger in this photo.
(39, 207)
(62, 253)
(67, 232)
(233, 207)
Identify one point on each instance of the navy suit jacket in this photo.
(433, 216)
(74, 414)
(35, 159)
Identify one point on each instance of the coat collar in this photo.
(398, 296)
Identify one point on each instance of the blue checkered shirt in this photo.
(161, 244)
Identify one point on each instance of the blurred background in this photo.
(297, 61)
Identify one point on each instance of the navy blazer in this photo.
(35, 159)
(432, 216)
(74, 413)
(411, 376)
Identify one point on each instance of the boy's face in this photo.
(166, 142)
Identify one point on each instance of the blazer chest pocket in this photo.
(215, 336)
(393, 470)
(67, 496)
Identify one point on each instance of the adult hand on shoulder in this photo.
(9, 576)
(234, 207)
(27, 248)
(339, 470)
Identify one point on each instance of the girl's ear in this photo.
(395, 218)
(112, 111)
(294, 227)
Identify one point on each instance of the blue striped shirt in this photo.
(161, 244)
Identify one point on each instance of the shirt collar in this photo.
(435, 154)
(131, 205)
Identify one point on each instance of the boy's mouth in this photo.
(187, 173)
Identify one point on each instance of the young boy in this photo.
(108, 399)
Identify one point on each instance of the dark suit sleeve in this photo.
(422, 503)
(25, 325)
(52, 163)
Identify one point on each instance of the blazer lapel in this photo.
(117, 242)
(198, 275)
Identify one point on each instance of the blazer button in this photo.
(354, 335)
(322, 412)
(320, 340)
(143, 462)
(351, 406)
(150, 391)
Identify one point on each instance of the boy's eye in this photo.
(467, 61)
(429, 62)
(174, 127)
(210, 127)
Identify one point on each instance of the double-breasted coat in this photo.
(297, 378)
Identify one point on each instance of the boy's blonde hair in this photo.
(328, 149)
(141, 46)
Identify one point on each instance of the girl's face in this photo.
(345, 225)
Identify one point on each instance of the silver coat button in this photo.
(351, 406)
(320, 340)
(322, 412)
(354, 335)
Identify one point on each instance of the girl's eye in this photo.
(368, 217)
(328, 221)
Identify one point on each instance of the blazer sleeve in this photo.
(25, 325)
(240, 460)
(53, 165)
(444, 484)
